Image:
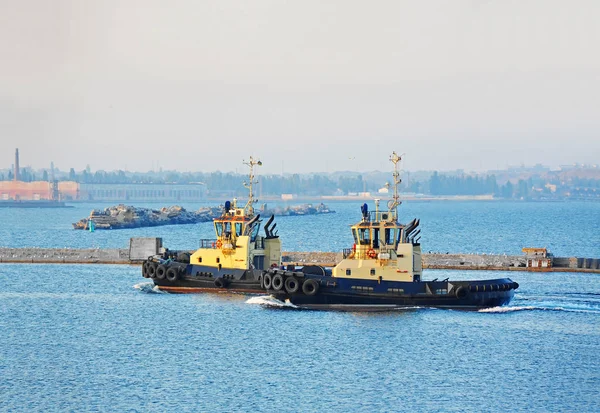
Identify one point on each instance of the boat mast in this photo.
(395, 201)
(251, 181)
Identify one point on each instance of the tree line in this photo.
(321, 184)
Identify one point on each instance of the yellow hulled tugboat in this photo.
(235, 260)
(382, 270)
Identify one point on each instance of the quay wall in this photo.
(140, 248)
(65, 256)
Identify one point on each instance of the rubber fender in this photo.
(267, 280)
(461, 292)
(161, 272)
(145, 269)
(261, 281)
(277, 282)
(310, 287)
(515, 285)
(292, 285)
(220, 282)
(151, 269)
(173, 274)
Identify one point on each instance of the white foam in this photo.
(533, 308)
(148, 287)
(270, 301)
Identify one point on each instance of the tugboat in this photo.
(382, 270)
(234, 261)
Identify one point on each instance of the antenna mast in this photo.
(395, 201)
(251, 181)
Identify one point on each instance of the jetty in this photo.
(126, 216)
(141, 248)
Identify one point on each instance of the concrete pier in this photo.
(140, 248)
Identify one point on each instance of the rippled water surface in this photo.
(100, 338)
(566, 228)
(87, 337)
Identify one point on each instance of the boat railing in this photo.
(382, 253)
(208, 243)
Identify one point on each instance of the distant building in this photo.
(143, 192)
(38, 190)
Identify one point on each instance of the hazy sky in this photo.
(304, 85)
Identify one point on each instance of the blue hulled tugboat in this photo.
(382, 270)
(233, 261)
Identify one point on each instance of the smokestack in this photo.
(17, 164)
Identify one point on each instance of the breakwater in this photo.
(138, 251)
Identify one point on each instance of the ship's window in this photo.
(199, 259)
(238, 228)
(364, 235)
(219, 228)
(441, 291)
(218, 260)
(390, 235)
(372, 271)
(348, 272)
(254, 232)
(375, 237)
(227, 229)
(355, 235)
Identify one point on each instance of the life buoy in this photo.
(219, 243)
(371, 253)
(277, 282)
(161, 271)
(172, 274)
(292, 285)
(267, 281)
(310, 287)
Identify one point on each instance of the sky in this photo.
(306, 86)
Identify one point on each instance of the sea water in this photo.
(101, 338)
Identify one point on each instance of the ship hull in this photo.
(348, 294)
(199, 279)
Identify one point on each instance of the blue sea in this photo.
(100, 338)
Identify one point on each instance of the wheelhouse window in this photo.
(238, 228)
(227, 229)
(355, 235)
(255, 232)
(390, 236)
(219, 228)
(364, 236)
(375, 237)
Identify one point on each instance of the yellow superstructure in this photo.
(238, 244)
(383, 248)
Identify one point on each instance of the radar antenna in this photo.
(251, 181)
(395, 201)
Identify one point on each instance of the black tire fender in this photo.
(145, 269)
(267, 280)
(151, 269)
(173, 274)
(220, 282)
(310, 287)
(261, 281)
(161, 271)
(277, 282)
(292, 285)
(461, 292)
